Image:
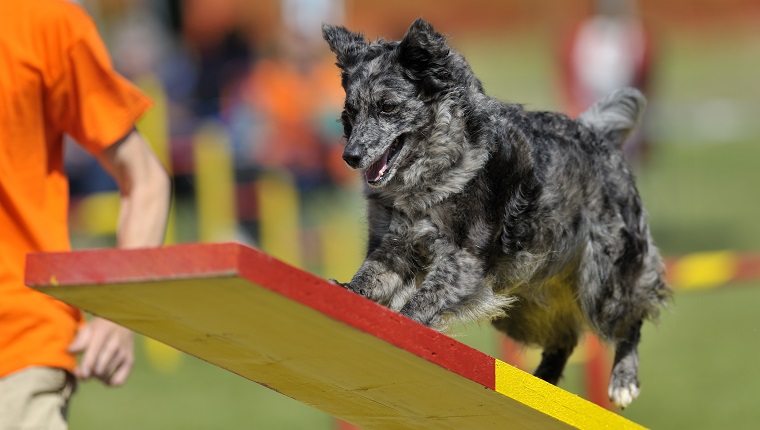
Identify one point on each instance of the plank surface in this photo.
(299, 335)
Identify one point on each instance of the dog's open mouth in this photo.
(376, 172)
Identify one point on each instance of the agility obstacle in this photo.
(295, 333)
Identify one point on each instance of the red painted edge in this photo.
(229, 259)
(101, 266)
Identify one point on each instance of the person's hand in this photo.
(107, 351)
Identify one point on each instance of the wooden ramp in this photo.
(299, 335)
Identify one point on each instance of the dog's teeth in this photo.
(395, 146)
(376, 171)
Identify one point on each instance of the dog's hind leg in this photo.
(615, 303)
(624, 382)
(556, 329)
(553, 361)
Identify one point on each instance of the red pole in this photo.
(597, 372)
(511, 352)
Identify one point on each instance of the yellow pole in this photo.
(279, 224)
(214, 184)
(343, 244)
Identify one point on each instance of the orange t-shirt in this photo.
(56, 77)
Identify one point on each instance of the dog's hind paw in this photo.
(623, 396)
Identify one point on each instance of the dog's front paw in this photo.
(336, 282)
(416, 314)
(350, 287)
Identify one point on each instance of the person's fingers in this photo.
(122, 371)
(78, 345)
(115, 356)
(107, 358)
(81, 340)
(107, 351)
(91, 351)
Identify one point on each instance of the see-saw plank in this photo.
(316, 342)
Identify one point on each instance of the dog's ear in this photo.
(347, 45)
(425, 53)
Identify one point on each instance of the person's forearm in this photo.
(145, 192)
(143, 210)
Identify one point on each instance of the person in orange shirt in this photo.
(57, 78)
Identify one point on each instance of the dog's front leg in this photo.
(384, 277)
(455, 276)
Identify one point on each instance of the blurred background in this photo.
(247, 99)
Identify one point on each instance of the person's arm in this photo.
(145, 191)
(106, 347)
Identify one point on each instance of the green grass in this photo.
(703, 197)
(197, 395)
(698, 368)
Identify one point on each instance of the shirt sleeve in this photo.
(89, 100)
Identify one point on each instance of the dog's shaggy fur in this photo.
(480, 209)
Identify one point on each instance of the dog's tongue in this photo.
(377, 169)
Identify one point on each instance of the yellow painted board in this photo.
(247, 312)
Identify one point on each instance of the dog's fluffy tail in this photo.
(615, 116)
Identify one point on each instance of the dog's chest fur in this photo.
(541, 291)
(478, 200)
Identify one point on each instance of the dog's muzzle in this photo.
(352, 157)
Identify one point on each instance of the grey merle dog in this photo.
(479, 209)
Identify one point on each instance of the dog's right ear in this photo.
(347, 45)
(425, 53)
(423, 48)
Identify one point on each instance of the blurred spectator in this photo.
(292, 100)
(610, 49)
(210, 29)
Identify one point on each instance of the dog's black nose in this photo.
(352, 158)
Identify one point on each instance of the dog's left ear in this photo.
(425, 53)
(347, 45)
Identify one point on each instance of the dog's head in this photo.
(390, 88)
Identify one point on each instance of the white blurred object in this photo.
(608, 53)
(305, 17)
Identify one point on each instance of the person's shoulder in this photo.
(58, 15)
(53, 9)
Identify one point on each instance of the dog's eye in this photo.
(387, 107)
(346, 118)
(350, 111)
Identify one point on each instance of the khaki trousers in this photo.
(36, 398)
